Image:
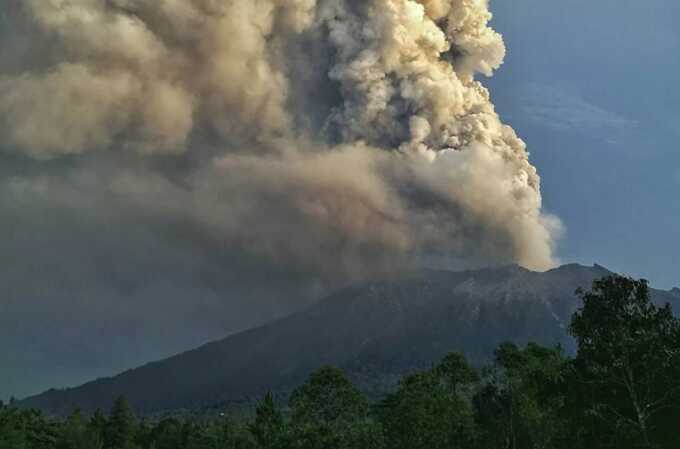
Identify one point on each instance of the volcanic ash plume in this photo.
(341, 138)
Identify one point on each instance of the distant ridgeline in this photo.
(376, 332)
(621, 390)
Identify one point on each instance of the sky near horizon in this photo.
(591, 87)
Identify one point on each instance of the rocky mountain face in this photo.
(377, 331)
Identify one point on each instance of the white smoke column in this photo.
(341, 138)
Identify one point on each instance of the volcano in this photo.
(376, 331)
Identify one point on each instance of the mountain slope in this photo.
(376, 331)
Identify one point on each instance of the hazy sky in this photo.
(592, 88)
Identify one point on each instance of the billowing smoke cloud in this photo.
(341, 138)
(228, 161)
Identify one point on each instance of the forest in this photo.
(620, 390)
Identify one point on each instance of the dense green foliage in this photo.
(621, 390)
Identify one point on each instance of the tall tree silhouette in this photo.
(628, 360)
(120, 430)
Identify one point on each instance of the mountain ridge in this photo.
(376, 330)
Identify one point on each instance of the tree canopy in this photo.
(620, 391)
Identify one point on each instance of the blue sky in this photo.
(592, 87)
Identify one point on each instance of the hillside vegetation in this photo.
(621, 390)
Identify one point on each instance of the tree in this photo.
(428, 410)
(143, 437)
(75, 434)
(328, 398)
(521, 403)
(98, 423)
(197, 436)
(167, 434)
(120, 429)
(12, 430)
(268, 426)
(26, 429)
(328, 412)
(628, 363)
(455, 370)
(226, 432)
(494, 415)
